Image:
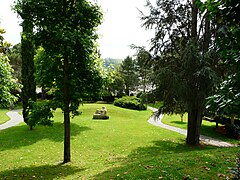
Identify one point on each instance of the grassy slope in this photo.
(3, 117)
(208, 128)
(125, 146)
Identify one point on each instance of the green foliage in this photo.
(143, 67)
(14, 55)
(75, 36)
(130, 102)
(113, 86)
(183, 72)
(40, 114)
(129, 75)
(226, 99)
(109, 62)
(67, 31)
(8, 83)
(185, 60)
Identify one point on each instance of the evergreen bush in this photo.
(130, 102)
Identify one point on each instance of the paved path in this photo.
(15, 119)
(157, 121)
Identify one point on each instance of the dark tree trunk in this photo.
(67, 155)
(206, 34)
(194, 20)
(28, 80)
(194, 113)
(127, 91)
(194, 126)
(67, 134)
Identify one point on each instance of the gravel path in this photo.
(15, 119)
(157, 121)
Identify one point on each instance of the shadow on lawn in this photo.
(159, 160)
(178, 122)
(19, 136)
(40, 172)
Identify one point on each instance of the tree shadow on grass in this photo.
(19, 136)
(40, 172)
(178, 122)
(164, 158)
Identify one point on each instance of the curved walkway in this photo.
(157, 121)
(15, 119)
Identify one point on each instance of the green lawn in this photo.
(3, 117)
(123, 147)
(208, 128)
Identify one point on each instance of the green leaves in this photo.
(40, 113)
(7, 83)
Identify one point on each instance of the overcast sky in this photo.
(121, 27)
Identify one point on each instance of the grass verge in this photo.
(207, 129)
(3, 117)
(123, 147)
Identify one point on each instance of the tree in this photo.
(27, 54)
(128, 72)
(72, 70)
(184, 64)
(143, 68)
(14, 55)
(114, 86)
(226, 100)
(7, 82)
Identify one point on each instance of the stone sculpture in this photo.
(101, 113)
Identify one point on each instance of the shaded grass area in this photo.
(207, 129)
(3, 117)
(157, 104)
(123, 147)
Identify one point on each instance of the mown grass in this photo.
(3, 117)
(123, 147)
(208, 128)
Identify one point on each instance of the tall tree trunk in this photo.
(206, 34)
(67, 134)
(28, 80)
(194, 20)
(67, 154)
(194, 126)
(194, 113)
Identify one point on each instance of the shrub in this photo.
(130, 102)
(40, 114)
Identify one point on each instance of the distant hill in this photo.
(112, 62)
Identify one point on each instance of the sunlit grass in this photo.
(3, 117)
(124, 147)
(208, 128)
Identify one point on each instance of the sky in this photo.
(121, 27)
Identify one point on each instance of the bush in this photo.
(130, 102)
(40, 114)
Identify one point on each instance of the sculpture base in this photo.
(100, 116)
